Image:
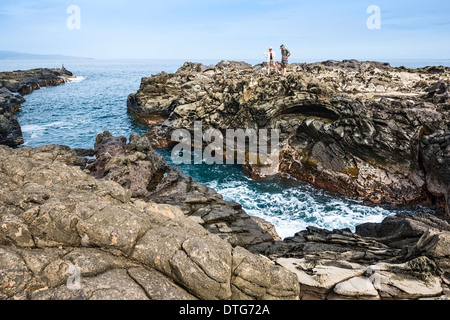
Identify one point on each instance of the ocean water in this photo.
(74, 113)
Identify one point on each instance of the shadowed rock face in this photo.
(13, 85)
(361, 129)
(59, 225)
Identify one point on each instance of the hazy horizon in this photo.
(74, 58)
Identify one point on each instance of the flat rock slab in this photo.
(321, 278)
(394, 286)
(358, 287)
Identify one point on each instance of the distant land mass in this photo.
(12, 55)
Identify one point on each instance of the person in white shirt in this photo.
(270, 55)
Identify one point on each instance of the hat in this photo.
(282, 46)
(270, 48)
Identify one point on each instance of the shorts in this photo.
(284, 63)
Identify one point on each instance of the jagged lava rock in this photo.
(361, 129)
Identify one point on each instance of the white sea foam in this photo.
(59, 124)
(293, 209)
(35, 130)
(32, 127)
(75, 79)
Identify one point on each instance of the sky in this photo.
(227, 29)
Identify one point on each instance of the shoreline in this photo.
(16, 84)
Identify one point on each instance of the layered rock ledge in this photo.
(361, 129)
(13, 86)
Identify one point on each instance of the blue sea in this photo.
(74, 113)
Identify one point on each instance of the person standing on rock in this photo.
(285, 54)
(270, 55)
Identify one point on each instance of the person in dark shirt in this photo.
(285, 54)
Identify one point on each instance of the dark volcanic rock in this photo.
(439, 92)
(435, 157)
(13, 85)
(360, 129)
(10, 131)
